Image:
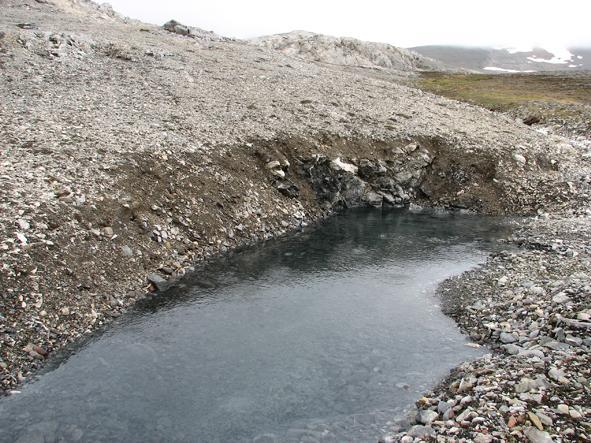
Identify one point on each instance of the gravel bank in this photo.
(131, 152)
(532, 308)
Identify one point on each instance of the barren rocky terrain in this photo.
(346, 51)
(128, 152)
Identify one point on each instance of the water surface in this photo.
(323, 336)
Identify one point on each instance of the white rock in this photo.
(278, 173)
(21, 237)
(534, 435)
(483, 438)
(507, 338)
(519, 158)
(557, 375)
(562, 409)
(23, 224)
(273, 164)
(427, 416)
(575, 414)
(339, 165)
(560, 298)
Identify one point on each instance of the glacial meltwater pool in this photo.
(324, 336)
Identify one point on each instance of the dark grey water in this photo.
(324, 336)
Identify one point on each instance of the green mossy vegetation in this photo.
(503, 92)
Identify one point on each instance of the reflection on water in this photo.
(323, 336)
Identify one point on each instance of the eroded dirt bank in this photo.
(130, 152)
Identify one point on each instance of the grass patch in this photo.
(503, 92)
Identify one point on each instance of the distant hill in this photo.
(508, 59)
(347, 51)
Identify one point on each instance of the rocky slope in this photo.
(509, 60)
(346, 51)
(130, 152)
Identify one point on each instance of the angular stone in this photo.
(506, 338)
(427, 416)
(558, 376)
(421, 431)
(536, 436)
(158, 282)
(560, 298)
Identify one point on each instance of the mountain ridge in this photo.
(514, 60)
(346, 51)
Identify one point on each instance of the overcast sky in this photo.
(507, 23)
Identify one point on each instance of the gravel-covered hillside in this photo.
(346, 51)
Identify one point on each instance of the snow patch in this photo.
(494, 68)
(580, 57)
(560, 56)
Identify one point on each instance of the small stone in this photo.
(562, 409)
(23, 224)
(449, 414)
(273, 164)
(536, 436)
(483, 438)
(374, 199)
(573, 341)
(27, 25)
(507, 338)
(339, 165)
(467, 399)
(22, 238)
(535, 420)
(574, 413)
(421, 431)
(558, 376)
(443, 407)
(427, 416)
(525, 385)
(127, 251)
(108, 231)
(467, 383)
(512, 422)
(544, 419)
(560, 298)
(535, 398)
(512, 349)
(156, 280)
(278, 173)
(519, 158)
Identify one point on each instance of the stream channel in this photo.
(325, 335)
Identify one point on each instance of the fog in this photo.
(499, 23)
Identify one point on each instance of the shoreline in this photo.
(531, 307)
